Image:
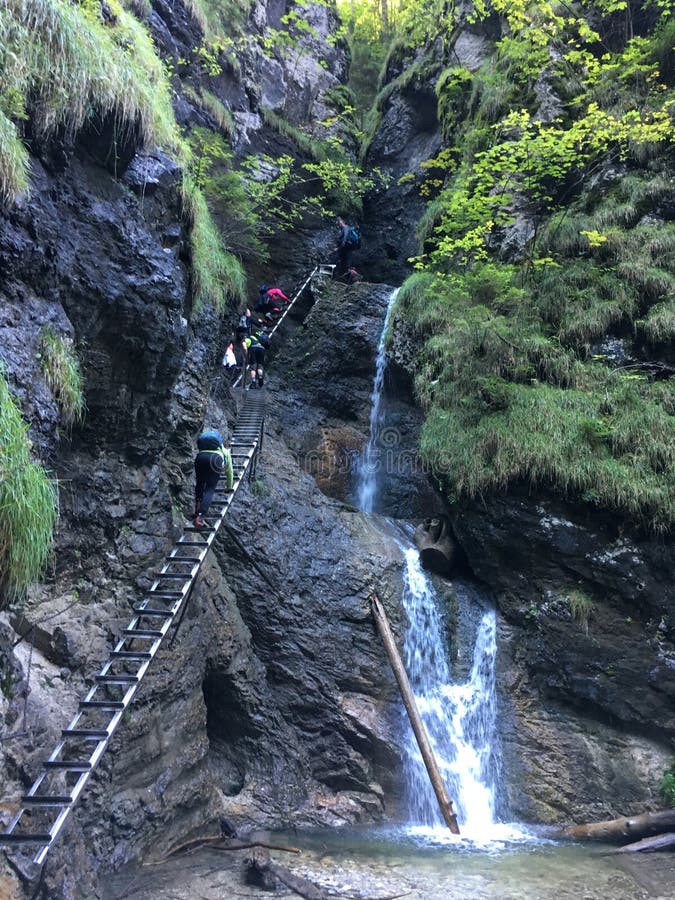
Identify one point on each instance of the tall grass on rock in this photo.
(217, 276)
(28, 505)
(61, 62)
(62, 372)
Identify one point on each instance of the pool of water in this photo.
(417, 864)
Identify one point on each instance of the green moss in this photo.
(62, 372)
(542, 438)
(27, 505)
(220, 17)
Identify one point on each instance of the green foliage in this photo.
(27, 505)
(62, 372)
(217, 276)
(220, 114)
(368, 38)
(229, 195)
(506, 368)
(60, 62)
(13, 161)
(305, 142)
(508, 402)
(667, 786)
(220, 19)
(659, 325)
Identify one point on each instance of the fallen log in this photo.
(627, 827)
(649, 844)
(423, 742)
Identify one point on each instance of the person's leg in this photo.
(214, 470)
(260, 363)
(201, 472)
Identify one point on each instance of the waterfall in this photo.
(369, 463)
(459, 717)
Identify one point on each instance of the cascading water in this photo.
(459, 717)
(369, 462)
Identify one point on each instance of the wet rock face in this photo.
(408, 134)
(587, 651)
(324, 410)
(88, 257)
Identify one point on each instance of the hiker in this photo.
(277, 296)
(229, 357)
(266, 305)
(212, 460)
(245, 322)
(257, 344)
(348, 241)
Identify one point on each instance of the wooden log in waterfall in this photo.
(627, 827)
(444, 802)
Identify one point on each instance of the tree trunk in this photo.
(660, 842)
(444, 802)
(629, 827)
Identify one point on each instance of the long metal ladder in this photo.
(45, 808)
(54, 793)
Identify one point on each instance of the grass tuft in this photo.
(217, 276)
(62, 372)
(28, 505)
(62, 63)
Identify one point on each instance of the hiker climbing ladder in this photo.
(45, 808)
(53, 794)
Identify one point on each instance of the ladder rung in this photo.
(161, 594)
(152, 611)
(46, 800)
(184, 559)
(101, 704)
(172, 575)
(95, 734)
(23, 838)
(206, 530)
(74, 765)
(131, 654)
(143, 633)
(117, 679)
(188, 543)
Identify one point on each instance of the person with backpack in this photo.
(348, 241)
(256, 345)
(212, 461)
(267, 305)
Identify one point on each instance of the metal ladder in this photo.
(53, 794)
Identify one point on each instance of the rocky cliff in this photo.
(274, 705)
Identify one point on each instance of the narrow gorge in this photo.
(501, 368)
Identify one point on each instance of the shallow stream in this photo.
(383, 864)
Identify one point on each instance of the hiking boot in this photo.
(260, 381)
(199, 522)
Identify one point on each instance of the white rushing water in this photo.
(459, 717)
(370, 460)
